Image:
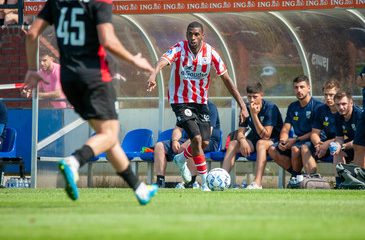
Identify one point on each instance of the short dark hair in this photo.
(255, 88)
(343, 93)
(195, 24)
(331, 83)
(301, 78)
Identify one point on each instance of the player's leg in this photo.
(359, 157)
(160, 162)
(338, 158)
(309, 163)
(282, 158)
(105, 137)
(296, 161)
(194, 173)
(262, 147)
(230, 156)
(119, 160)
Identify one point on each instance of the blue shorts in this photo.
(168, 149)
(297, 144)
(313, 152)
(360, 131)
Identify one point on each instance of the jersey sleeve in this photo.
(102, 10)
(339, 131)
(218, 63)
(271, 116)
(317, 120)
(289, 114)
(172, 53)
(46, 12)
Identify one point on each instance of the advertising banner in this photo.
(206, 6)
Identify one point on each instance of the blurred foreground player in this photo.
(84, 30)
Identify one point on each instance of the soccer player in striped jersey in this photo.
(191, 62)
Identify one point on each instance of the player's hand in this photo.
(31, 80)
(322, 149)
(142, 63)
(245, 149)
(151, 82)
(243, 115)
(282, 145)
(27, 93)
(254, 108)
(175, 146)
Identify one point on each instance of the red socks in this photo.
(200, 163)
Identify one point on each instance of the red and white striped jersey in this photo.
(190, 74)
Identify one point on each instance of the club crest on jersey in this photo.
(353, 126)
(296, 118)
(205, 60)
(262, 118)
(188, 112)
(308, 114)
(344, 131)
(326, 123)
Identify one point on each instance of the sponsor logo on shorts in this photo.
(188, 112)
(206, 117)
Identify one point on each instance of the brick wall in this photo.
(13, 64)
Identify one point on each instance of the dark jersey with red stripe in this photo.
(77, 38)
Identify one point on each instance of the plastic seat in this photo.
(133, 143)
(8, 155)
(164, 135)
(9, 146)
(135, 140)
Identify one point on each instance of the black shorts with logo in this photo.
(89, 95)
(193, 118)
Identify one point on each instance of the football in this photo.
(218, 179)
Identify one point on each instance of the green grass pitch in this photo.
(182, 214)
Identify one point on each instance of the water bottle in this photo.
(21, 183)
(333, 147)
(2, 179)
(11, 183)
(244, 184)
(16, 182)
(26, 183)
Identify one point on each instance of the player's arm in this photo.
(284, 136)
(175, 138)
(151, 82)
(110, 42)
(50, 94)
(263, 131)
(315, 137)
(31, 44)
(234, 92)
(245, 148)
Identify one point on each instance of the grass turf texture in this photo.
(182, 214)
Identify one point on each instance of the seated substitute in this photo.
(346, 119)
(359, 140)
(166, 150)
(289, 151)
(265, 122)
(323, 128)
